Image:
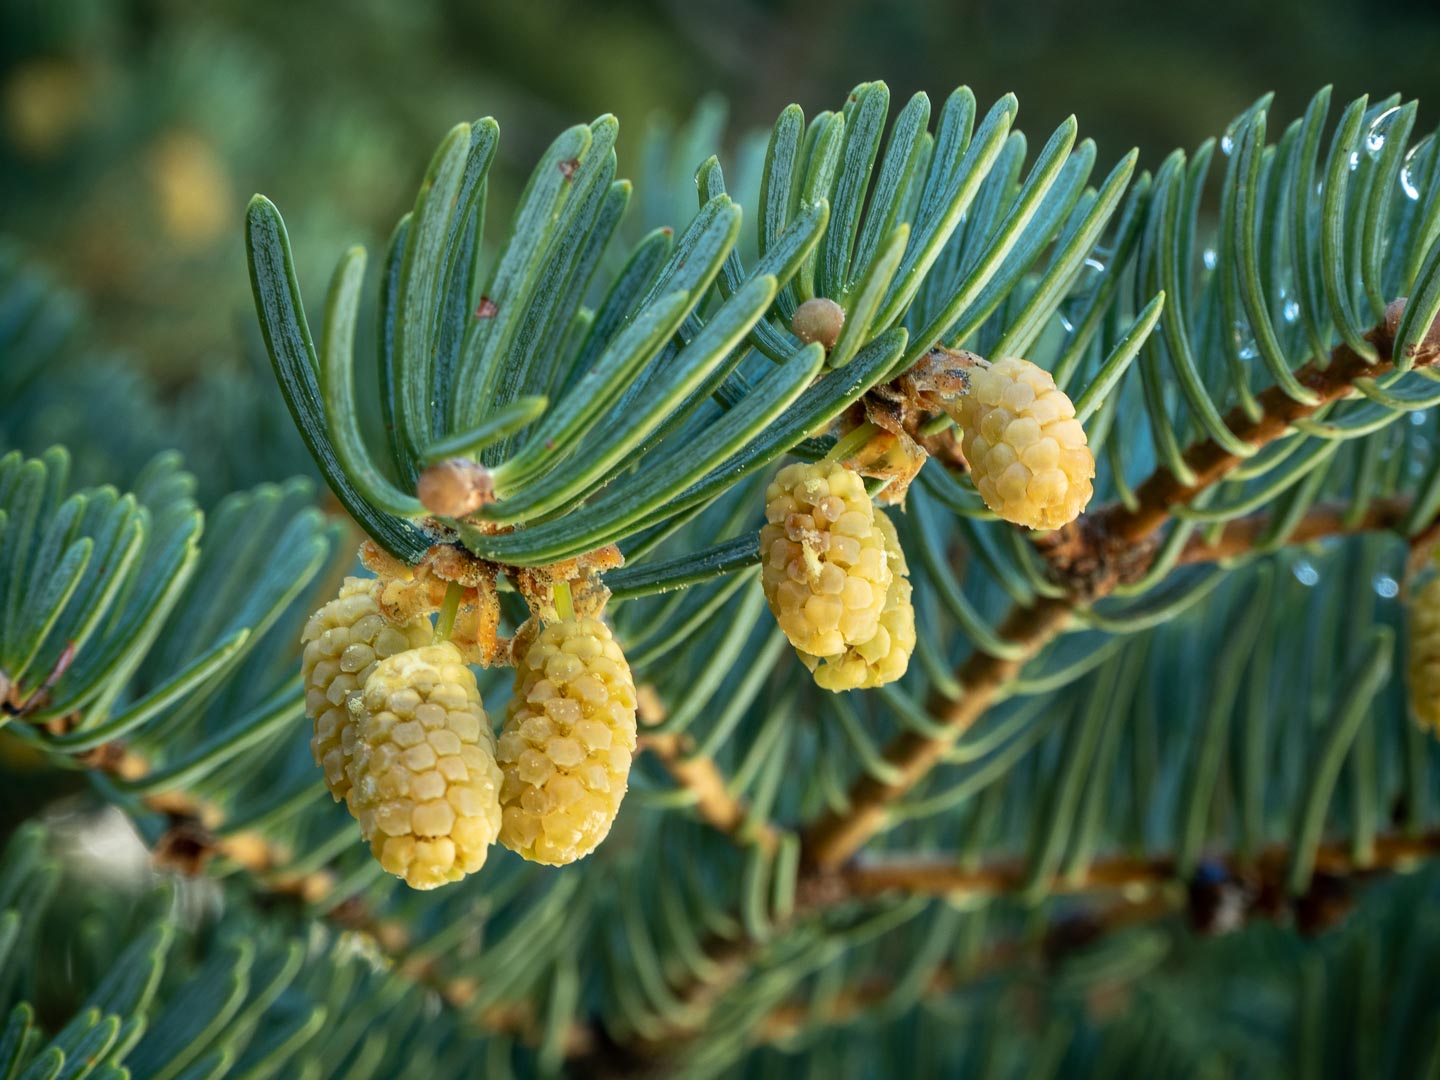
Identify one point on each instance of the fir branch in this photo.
(1148, 892)
(195, 837)
(1091, 557)
(195, 833)
(457, 992)
(833, 838)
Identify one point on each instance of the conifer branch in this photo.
(189, 844)
(1117, 524)
(834, 837)
(516, 1018)
(190, 840)
(1148, 892)
(1142, 881)
(1091, 557)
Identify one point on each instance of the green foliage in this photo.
(454, 333)
(1262, 1002)
(119, 624)
(159, 984)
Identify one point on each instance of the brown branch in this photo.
(1240, 536)
(1148, 892)
(193, 839)
(1148, 889)
(943, 877)
(831, 838)
(714, 803)
(1211, 462)
(834, 837)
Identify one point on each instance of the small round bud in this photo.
(819, 320)
(455, 487)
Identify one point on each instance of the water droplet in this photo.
(1305, 573)
(1418, 418)
(1386, 586)
(1095, 264)
(1374, 137)
(1066, 323)
(1407, 179)
(1209, 258)
(1291, 310)
(1354, 160)
(1227, 144)
(1244, 341)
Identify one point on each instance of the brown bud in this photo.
(819, 320)
(186, 846)
(455, 487)
(1428, 347)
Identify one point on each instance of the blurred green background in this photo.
(132, 132)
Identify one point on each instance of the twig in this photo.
(943, 877)
(1147, 888)
(1211, 462)
(850, 1003)
(714, 803)
(190, 843)
(1240, 536)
